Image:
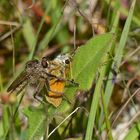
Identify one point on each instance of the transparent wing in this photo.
(19, 82)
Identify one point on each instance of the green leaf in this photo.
(36, 118)
(86, 62)
(87, 59)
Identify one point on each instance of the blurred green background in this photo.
(36, 28)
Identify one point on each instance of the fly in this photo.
(50, 74)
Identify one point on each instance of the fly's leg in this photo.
(63, 79)
(69, 81)
(37, 92)
(73, 82)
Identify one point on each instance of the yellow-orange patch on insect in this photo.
(55, 95)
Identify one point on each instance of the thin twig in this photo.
(32, 4)
(83, 15)
(92, 5)
(56, 47)
(74, 42)
(128, 85)
(130, 55)
(64, 121)
(6, 35)
(123, 107)
(12, 42)
(2, 22)
(128, 124)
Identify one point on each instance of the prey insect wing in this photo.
(20, 82)
(55, 92)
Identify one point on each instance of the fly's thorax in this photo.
(32, 66)
(34, 70)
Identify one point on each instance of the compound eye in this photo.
(44, 62)
(67, 61)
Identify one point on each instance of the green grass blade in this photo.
(119, 53)
(52, 32)
(28, 33)
(94, 105)
(125, 12)
(95, 100)
(107, 121)
(113, 30)
(34, 45)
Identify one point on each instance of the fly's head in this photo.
(45, 63)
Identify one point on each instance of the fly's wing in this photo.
(19, 83)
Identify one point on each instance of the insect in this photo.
(50, 74)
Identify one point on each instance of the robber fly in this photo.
(50, 74)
